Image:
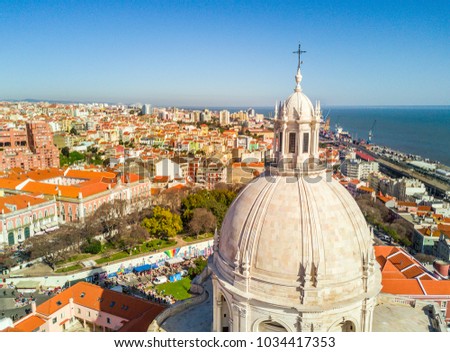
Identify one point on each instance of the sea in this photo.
(419, 130)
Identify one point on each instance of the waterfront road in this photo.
(437, 185)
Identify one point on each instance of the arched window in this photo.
(271, 326)
(348, 326)
(224, 316)
(292, 142)
(305, 147)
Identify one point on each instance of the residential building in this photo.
(224, 118)
(79, 193)
(87, 307)
(357, 169)
(28, 149)
(23, 216)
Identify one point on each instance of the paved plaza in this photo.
(8, 308)
(196, 319)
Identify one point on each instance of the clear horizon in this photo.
(359, 53)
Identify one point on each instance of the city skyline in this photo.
(225, 54)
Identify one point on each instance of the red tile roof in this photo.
(30, 324)
(404, 275)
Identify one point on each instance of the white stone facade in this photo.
(294, 252)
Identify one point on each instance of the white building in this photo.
(146, 109)
(355, 168)
(294, 252)
(168, 168)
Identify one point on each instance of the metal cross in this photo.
(299, 52)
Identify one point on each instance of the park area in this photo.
(179, 290)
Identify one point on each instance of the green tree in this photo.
(65, 151)
(216, 201)
(74, 131)
(199, 265)
(93, 246)
(163, 223)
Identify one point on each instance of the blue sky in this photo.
(226, 53)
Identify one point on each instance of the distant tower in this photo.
(224, 118)
(146, 109)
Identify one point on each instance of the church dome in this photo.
(299, 107)
(302, 242)
(294, 252)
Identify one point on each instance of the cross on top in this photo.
(299, 52)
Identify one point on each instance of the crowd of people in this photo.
(141, 284)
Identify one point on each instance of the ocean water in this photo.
(417, 130)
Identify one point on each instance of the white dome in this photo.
(294, 252)
(298, 232)
(299, 107)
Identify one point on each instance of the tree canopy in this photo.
(216, 201)
(163, 223)
(202, 221)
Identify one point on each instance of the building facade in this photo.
(28, 149)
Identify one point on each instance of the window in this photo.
(305, 142)
(292, 140)
(55, 320)
(281, 141)
(79, 311)
(108, 320)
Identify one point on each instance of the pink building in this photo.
(87, 307)
(28, 149)
(79, 193)
(23, 216)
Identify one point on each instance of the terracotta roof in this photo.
(9, 329)
(406, 204)
(90, 174)
(30, 324)
(401, 287)
(8, 183)
(21, 201)
(435, 287)
(366, 189)
(45, 174)
(404, 275)
(443, 227)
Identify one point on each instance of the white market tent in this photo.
(172, 261)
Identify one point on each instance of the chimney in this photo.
(33, 307)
